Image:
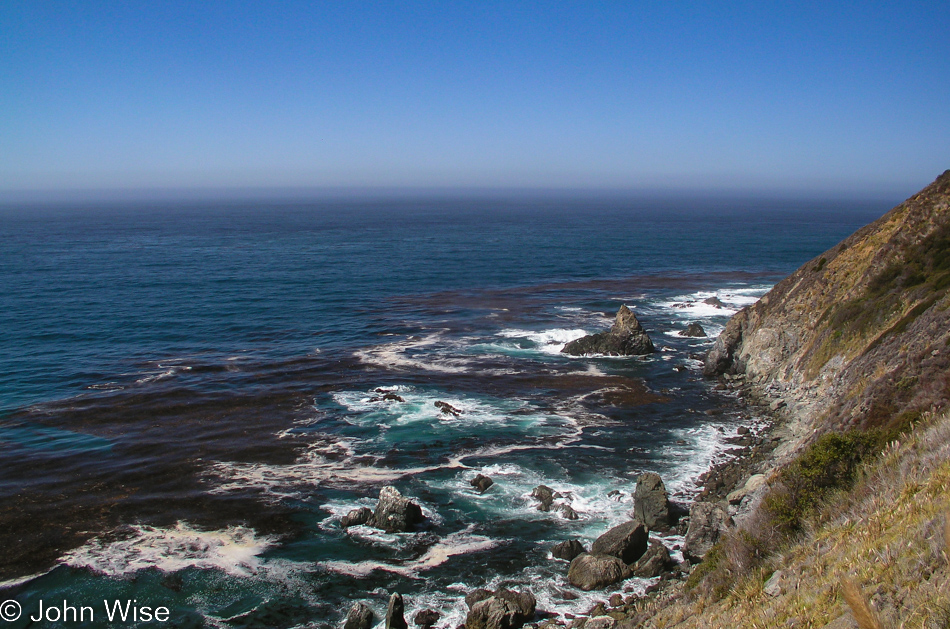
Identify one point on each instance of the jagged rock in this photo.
(357, 516)
(360, 616)
(481, 483)
(567, 512)
(654, 562)
(591, 572)
(447, 409)
(503, 609)
(714, 301)
(627, 541)
(394, 513)
(568, 550)
(545, 495)
(651, 503)
(395, 618)
(426, 618)
(388, 396)
(707, 522)
(693, 330)
(626, 338)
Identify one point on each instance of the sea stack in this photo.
(626, 338)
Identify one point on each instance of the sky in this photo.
(812, 97)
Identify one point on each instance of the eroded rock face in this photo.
(627, 542)
(502, 609)
(395, 513)
(707, 522)
(626, 338)
(360, 616)
(651, 504)
(592, 572)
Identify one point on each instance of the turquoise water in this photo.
(191, 395)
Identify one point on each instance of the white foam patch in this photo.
(400, 355)
(234, 550)
(546, 341)
(693, 306)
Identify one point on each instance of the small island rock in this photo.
(694, 330)
(481, 483)
(395, 513)
(626, 338)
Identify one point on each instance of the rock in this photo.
(625, 338)
(394, 613)
(714, 301)
(478, 595)
(567, 512)
(775, 585)
(545, 495)
(426, 618)
(615, 600)
(653, 563)
(627, 541)
(754, 483)
(447, 409)
(776, 404)
(357, 516)
(568, 550)
(742, 430)
(651, 503)
(394, 513)
(601, 622)
(591, 572)
(481, 483)
(707, 522)
(360, 616)
(693, 330)
(504, 609)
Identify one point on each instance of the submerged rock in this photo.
(395, 613)
(567, 512)
(626, 338)
(568, 550)
(357, 516)
(627, 541)
(693, 330)
(651, 504)
(592, 572)
(360, 616)
(707, 522)
(545, 495)
(714, 301)
(502, 609)
(395, 513)
(481, 483)
(447, 409)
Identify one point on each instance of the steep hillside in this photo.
(860, 336)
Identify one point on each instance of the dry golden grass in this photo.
(890, 533)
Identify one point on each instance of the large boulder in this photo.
(707, 522)
(360, 616)
(626, 338)
(503, 609)
(568, 550)
(395, 613)
(481, 483)
(651, 504)
(592, 572)
(694, 330)
(395, 513)
(627, 542)
(653, 563)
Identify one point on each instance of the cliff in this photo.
(859, 337)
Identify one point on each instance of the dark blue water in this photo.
(189, 393)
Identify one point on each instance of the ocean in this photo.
(192, 394)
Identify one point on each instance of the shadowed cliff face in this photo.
(859, 336)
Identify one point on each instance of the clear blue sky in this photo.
(811, 97)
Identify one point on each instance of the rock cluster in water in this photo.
(626, 338)
(394, 513)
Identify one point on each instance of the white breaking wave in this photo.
(547, 341)
(234, 550)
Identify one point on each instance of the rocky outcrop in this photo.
(360, 616)
(844, 338)
(627, 542)
(395, 613)
(545, 495)
(653, 563)
(707, 522)
(481, 483)
(592, 572)
(395, 513)
(568, 550)
(651, 504)
(356, 517)
(626, 338)
(693, 330)
(502, 609)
